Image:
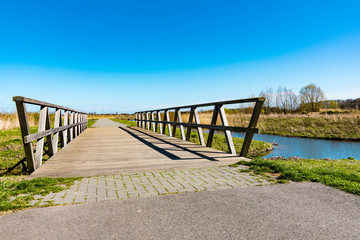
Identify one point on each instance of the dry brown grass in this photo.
(10, 120)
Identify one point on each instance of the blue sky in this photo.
(132, 55)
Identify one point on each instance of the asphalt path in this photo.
(287, 211)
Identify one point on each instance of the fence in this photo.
(143, 120)
(66, 127)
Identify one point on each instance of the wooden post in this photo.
(153, 124)
(147, 123)
(160, 124)
(175, 120)
(228, 136)
(76, 127)
(213, 122)
(56, 124)
(65, 132)
(71, 130)
(40, 142)
(178, 113)
(143, 122)
(167, 119)
(253, 121)
(25, 130)
(194, 114)
(49, 138)
(136, 119)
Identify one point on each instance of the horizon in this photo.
(125, 57)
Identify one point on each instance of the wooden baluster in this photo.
(25, 130)
(71, 130)
(194, 114)
(147, 121)
(56, 125)
(167, 119)
(188, 131)
(152, 123)
(175, 120)
(160, 124)
(65, 132)
(253, 121)
(213, 122)
(181, 126)
(228, 136)
(49, 139)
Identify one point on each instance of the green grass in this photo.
(91, 122)
(257, 148)
(12, 186)
(343, 174)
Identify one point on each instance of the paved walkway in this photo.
(104, 122)
(283, 211)
(145, 184)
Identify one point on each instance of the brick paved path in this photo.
(123, 186)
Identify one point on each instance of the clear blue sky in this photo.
(131, 55)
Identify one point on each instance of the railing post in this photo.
(160, 124)
(65, 132)
(253, 121)
(213, 122)
(147, 121)
(228, 136)
(71, 130)
(25, 130)
(57, 124)
(167, 119)
(152, 123)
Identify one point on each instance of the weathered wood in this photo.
(25, 130)
(60, 132)
(147, 123)
(153, 124)
(228, 136)
(178, 113)
(160, 124)
(175, 121)
(199, 129)
(56, 125)
(213, 122)
(49, 138)
(40, 103)
(167, 123)
(65, 132)
(215, 103)
(249, 135)
(188, 130)
(215, 127)
(71, 130)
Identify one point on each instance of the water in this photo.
(306, 147)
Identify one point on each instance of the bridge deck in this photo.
(111, 150)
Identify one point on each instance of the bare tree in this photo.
(311, 97)
(269, 99)
(286, 100)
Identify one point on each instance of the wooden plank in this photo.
(181, 126)
(199, 129)
(71, 130)
(49, 138)
(160, 124)
(213, 122)
(56, 125)
(253, 122)
(40, 103)
(175, 121)
(215, 127)
(228, 136)
(153, 124)
(188, 131)
(40, 142)
(65, 132)
(237, 101)
(25, 130)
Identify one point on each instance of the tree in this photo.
(269, 99)
(311, 97)
(286, 100)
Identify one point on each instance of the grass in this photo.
(25, 190)
(257, 148)
(91, 122)
(314, 125)
(343, 174)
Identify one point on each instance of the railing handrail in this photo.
(228, 102)
(41, 103)
(142, 120)
(74, 124)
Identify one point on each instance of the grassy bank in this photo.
(16, 193)
(257, 148)
(342, 174)
(91, 122)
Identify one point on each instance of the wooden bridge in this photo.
(111, 148)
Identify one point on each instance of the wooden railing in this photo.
(146, 118)
(66, 127)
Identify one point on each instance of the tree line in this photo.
(310, 98)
